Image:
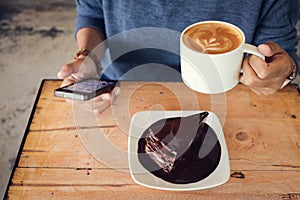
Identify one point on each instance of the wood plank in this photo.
(261, 182)
(281, 105)
(132, 192)
(72, 148)
(265, 143)
(66, 176)
(243, 154)
(54, 113)
(56, 149)
(247, 147)
(180, 91)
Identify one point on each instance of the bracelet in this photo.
(293, 73)
(290, 77)
(86, 52)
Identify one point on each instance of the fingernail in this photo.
(97, 111)
(78, 76)
(75, 76)
(59, 75)
(105, 97)
(117, 91)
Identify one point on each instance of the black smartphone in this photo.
(86, 89)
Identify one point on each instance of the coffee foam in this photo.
(212, 38)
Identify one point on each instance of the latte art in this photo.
(212, 38)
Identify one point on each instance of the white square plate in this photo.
(141, 121)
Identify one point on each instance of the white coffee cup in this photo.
(212, 73)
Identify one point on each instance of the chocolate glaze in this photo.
(198, 149)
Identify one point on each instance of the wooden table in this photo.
(55, 162)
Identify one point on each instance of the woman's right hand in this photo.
(81, 68)
(84, 68)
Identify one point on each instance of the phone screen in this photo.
(88, 86)
(86, 89)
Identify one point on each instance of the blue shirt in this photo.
(261, 21)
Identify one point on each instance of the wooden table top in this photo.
(56, 161)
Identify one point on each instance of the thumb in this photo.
(269, 49)
(70, 68)
(65, 71)
(67, 81)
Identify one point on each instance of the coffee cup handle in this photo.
(248, 48)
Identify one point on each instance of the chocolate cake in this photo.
(180, 150)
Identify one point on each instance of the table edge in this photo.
(37, 97)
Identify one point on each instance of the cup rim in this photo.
(213, 21)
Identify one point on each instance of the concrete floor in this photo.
(36, 39)
(35, 42)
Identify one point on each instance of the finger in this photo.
(109, 97)
(67, 81)
(69, 69)
(65, 71)
(263, 91)
(102, 102)
(98, 101)
(79, 76)
(107, 100)
(278, 63)
(104, 106)
(93, 103)
(249, 77)
(260, 67)
(256, 91)
(97, 104)
(269, 49)
(87, 66)
(115, 93)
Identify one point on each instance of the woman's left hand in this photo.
(267, 76)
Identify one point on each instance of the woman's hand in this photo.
(267, 76)
(83, 68)
(99, 103)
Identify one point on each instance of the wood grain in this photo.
(61, 157)
(133, 192)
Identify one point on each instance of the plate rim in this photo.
(224, 160)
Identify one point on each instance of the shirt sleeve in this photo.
(89, 14)
(277, 22)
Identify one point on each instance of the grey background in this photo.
(36, 40)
